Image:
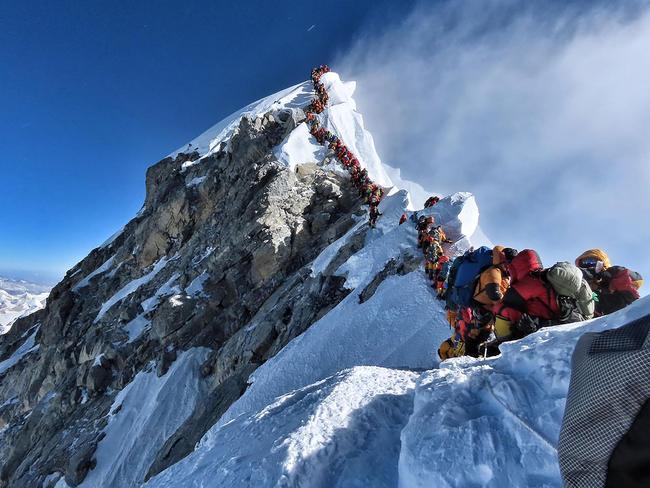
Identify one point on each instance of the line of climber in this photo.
(497, 295)
(431, 238)
(494, 295)
(371, 193)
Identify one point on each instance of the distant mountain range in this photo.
(19, 298)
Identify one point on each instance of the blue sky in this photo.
(538, 108)
(92, 93)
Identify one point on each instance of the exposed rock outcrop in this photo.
(217, 258)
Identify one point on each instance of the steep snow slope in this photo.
(489, 423)
(342, 431)
(146, 412)
(475, 423)
(19, 298)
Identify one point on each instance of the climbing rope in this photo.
(368, 190)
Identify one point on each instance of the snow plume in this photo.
(538, 108)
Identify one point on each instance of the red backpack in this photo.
(621, 280)
(524, 263)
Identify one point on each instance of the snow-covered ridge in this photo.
(295, 97)
(300, 147)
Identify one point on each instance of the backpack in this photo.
(621, 279)
(523, 264)
(471, 264)
(568, 282)
(449, 281)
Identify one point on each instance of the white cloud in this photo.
(544, 114)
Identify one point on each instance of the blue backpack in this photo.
(469, 267)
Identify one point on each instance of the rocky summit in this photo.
(216, 259)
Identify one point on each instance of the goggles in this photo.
(588, 262)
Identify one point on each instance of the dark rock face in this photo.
(218, 257)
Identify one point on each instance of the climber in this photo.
(438, 233)
(615, 286)
(403, 219)
(421, 227)
(529, 303)
(478, 329)
(426, 243)
(451, 348)
(374, 214)
(431, 201)
(440, 273)
(432, 252)
(463, 274)
(495, 280)
(592, 262)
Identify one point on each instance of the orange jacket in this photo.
(493, 282)
(491, 286)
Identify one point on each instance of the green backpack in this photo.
(567, 281)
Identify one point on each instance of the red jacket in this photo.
(528, 293)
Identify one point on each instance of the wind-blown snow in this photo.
(131, 287)
(143, 416)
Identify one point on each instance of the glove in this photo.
(527, 324)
